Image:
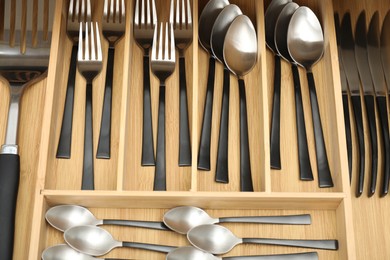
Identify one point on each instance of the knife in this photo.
(352, 74)
(379, 49)
(345, 90)
(362, 62)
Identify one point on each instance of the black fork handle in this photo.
(383, 116)
(160, 171)
(147, 129)
(65, 141)
(370, 107)
(347, 123)
(88, 169)
(104, 144)
(275, 119)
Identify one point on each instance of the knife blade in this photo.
(378, 50)
(352, 74)
(362, 63)
(344, 90)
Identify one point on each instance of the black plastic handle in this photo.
(324, 175)
(150, 247)
(222, 171)
(370, 107)
(205, 136)
(357, 107)
(383, 117)
(9, 181)
(147, 128)
(316, 244)
(104, 144)
(160, 170)
(245, 162)
(305, 171)
(275, 119)
(135, 223)
(65, 141)
(88, 171)
(347, 123)
(185, 156)
(297, 256)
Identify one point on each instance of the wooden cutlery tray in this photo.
(124, 187)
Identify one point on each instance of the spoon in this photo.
(96, 241)
(305, 42)
(270, 18)
(240, 55)
(192, 253)
(182, 219)
(218, 34)
(220, 240)
(65, 252)
(63, 217)
(281, 29)
(206, 21)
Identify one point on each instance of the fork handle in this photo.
(104, 145)
(9, 181)
(147, 130)
(88, 178)
(65, 142)
(160, 173)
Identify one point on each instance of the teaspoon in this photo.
(65, 252)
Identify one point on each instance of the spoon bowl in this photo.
(190, 253)
(64, 252)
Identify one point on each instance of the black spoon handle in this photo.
(147, 129)
(160, 171)
(205, 136)
(383, 116)
(88, 173)
(245, 162)
(317, 244)
(184, 129)
(305, 171)
(324, 175)
(150, 247)
(348, 138)
(135, 223)
(357, 107)
(297, 256)
(275, 119)
(221, 172)
(104, 145)
(370, 106)
(65, 141)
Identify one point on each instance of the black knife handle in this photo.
(147, 158)
(245, 162)
(222, 171)
(184, 129)
(104, 144)
(88, 171)
(383, 115)
(205, 136)
(305, 171)
(65, 141)
(348, 138)
(324, 175)
(160, 170)
(275, 119)
(9, 180)
(370, 106)
(357, 107)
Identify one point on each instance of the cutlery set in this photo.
(364, 60)
(85, 240)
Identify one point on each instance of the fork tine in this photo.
(171, 12)
(143, 11)
(92, 40)
(172, 42)
(182, 14)
(98, 43)
(81, 43)
(160, 45)
(154, 46)
(166, 46)
(112, 14)
(148, 14)
(189, 16)
(154, 13)
(87, 17)
(123, 12)
(136, 12)
(117, 11)
(86, 44)
(105, 10)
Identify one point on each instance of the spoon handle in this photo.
(324, 176)
(135, 223)
(245, 163)
(316, 244)
(275, 121)
(304, 219)
(299, 256)
(150, 247)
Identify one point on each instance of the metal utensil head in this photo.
(114, 20)
(64, 252)
(79, 11)
(145, 20)
(190, 253)
(270, 17)
(181, 18)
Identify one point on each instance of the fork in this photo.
(163, 61)
(90, 63)
(79, 11)
(181, 20)
(143, 33)
(113, 25)
(21, 70)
